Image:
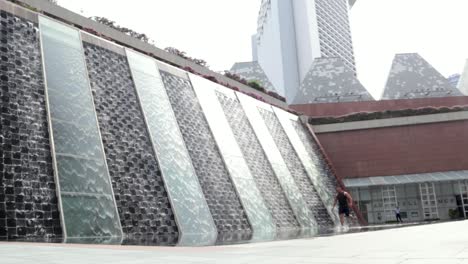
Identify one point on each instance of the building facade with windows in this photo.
(417, 162)
(454, 79)
(292, 34)
(436, 196)
(463, 81)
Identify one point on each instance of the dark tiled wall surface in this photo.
(28, 202)
(297, 170)
(258, 164)
(223, 201)
(139, 190)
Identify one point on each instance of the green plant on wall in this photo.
(184, 55)
(362, 116)
(453, 213)
(112, 24)
(256, 85)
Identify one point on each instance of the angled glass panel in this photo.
(72, 75)
(349, 183)
(73, 139)
(297, 170)
(59, 32)
(257, 212)
(378, 180)
(392, 180)
(87, 202)
(62, 109)
(90, 214)
(192, 213)
(404, 179)
(296, 200)
(441, 176)
(74, 173)
(460, 175)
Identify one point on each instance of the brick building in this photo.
(418, 163)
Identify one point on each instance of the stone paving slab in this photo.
(445, 243)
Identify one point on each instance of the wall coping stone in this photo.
(392, 122)
(444, 176)
(120, 38)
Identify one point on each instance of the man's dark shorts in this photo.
(344, 210)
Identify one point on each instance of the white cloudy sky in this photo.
(219, 30)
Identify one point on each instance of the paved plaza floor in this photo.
(444, 243)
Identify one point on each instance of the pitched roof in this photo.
(413, 77)
(329, 80)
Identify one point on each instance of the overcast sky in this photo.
(219, 31)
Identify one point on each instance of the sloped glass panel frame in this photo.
(193, 216)
(312, 171)
(296, 200)
(88, 209)
(257, 212)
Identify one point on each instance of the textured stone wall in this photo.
(297, 170)
(317, 157)
(223, 201)
(142, 201)
(259, 166)
(28, 202)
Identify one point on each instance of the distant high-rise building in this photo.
(463, 82)
(453, 79)
(291, 34)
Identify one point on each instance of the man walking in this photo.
(345, 202)
(397, 215)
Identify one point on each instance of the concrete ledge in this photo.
(391, 122)
(122, 39)
(106, 44)
(18, 11)
(406, 179)
(91, 39)
(172, 70)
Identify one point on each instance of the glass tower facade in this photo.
(292, 34)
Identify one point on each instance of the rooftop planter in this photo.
(364, 116)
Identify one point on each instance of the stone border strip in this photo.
(391, 122)
(82, 22)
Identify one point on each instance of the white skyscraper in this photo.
(292, 33)
(463, 82)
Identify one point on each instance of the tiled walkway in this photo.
(445, 243)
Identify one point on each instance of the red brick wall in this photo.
(338, 109)
(398, 150)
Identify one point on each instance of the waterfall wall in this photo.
(100, 143)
